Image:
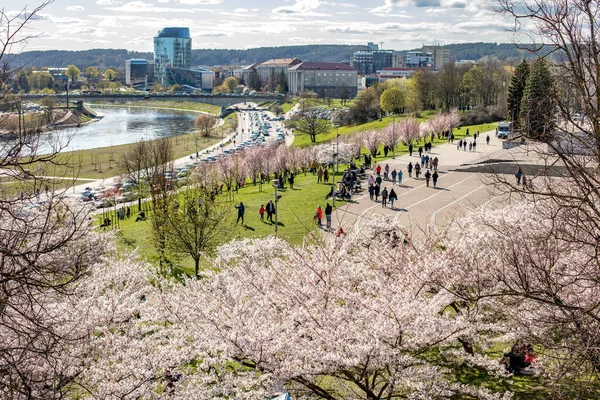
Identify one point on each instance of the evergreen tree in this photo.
(537, 106)
(515, 91)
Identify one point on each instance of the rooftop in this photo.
(183, 33)
(308, 66)
(281, 61)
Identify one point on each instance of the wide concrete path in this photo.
(420, 207)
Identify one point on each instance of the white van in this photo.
(504, 129)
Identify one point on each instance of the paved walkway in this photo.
(420, 207)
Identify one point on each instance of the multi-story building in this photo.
(139, 72)
(441, 55)
(172, 48)
(191, 78)
(367, 62)
(274, 67)
(363, 61)
(418, 59)
(325, 79)
(395, 73)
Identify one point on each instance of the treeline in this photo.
(115, 58)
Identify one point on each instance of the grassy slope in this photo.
(296, 210)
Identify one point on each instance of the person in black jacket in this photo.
(328, 211)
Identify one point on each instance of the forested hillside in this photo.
(475, 51)
(115, 58)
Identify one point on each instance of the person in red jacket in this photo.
(319, 216)
(378, 170)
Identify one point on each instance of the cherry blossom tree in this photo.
(372, 140)
(344, 319)
(408, 130)
(390, 135)
(534, 266)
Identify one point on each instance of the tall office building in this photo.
(441, 55)
(172, 48)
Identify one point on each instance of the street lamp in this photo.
(336, 157)
(277, 197)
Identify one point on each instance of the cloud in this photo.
(427, 3)
(75, 8)
(107, 2)
(200, 2)
(300, 7)
(213, 34)
(141, 7)
(304, 40)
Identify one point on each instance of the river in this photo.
(120, 125)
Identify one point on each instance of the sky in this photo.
(242, 24)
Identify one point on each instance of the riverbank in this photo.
(166, 105)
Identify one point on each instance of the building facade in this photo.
(418, 59)
(191, 78)
(325, 79)
(172, 48)
(367, 62)
(139, 73)
(441, 55)
(275, 67)
(395, 73)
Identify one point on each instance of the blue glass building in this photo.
(172, 49)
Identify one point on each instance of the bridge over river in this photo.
(217, 100)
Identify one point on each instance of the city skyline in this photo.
(229, 24)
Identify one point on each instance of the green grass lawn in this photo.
(296, 210)
(303, 140)
(288, 105)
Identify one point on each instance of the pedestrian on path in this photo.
(393, 174)
(386, 172)
(470, 146)
(474, 146)
(417, 170)
(270, 210)
(261, 212)
(410, 149)
(378, 181)
(328, 211)
(519, 175)
(487, 139)
(377, 188)
(420, 151)
(464, 145)
(410, 168)
(371, 191)
(459, 144)
(435, 163)
(427, 177)
(423, 162)
(378, 170)
(434, 177)
(241, 210)
(393, 197)
(319, 216)
(427, 161)
(400, 177)
(326, 175)
(384, 196)
(371, 180)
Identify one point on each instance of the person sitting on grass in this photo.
(141, 216)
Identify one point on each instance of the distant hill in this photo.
(475, 51)
(105, 58)
(115, 58)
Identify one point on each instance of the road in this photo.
(250, 119)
